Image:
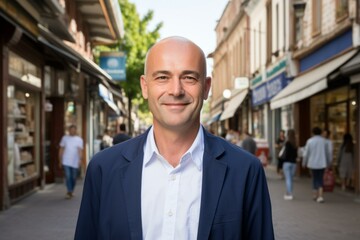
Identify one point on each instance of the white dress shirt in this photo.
(171, 197)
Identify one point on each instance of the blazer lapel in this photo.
(213, 177)
(131, 183)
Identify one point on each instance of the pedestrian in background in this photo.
(70, 156)
(176, 180)
(122, 135)
(289, 163)
(249, 143)
(279, 143)
(107, 140)
(317, 159)
(345, 160)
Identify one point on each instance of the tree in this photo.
(137, 40)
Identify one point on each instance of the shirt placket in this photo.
(170, 210)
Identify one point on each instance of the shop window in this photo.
(23, 134)
(317, 111)
(335, 110)
(353, 112)
(24, 70)
(259, 122)
(287, 119)
(338, 95)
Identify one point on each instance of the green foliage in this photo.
(138, 39)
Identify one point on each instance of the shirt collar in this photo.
(196, 150)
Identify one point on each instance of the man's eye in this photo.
(190, 79)
(161, 78)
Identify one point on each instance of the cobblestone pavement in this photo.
(48, 215)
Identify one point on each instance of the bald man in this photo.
(176, 181)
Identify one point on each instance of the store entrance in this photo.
(54, 131)
(337, 124)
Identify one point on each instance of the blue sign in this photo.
(114, 63)
(269, 89)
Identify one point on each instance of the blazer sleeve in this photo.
(88, 219)
(258, 216)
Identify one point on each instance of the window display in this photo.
(259, 122)
(22, 137)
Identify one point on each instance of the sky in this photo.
(193, 19)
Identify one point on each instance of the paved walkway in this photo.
(303, 218)
(46, 215)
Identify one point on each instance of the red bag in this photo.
(329, 181)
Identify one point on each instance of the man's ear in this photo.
(207, 86)
(144, 88)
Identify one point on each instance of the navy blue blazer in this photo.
(235, 202)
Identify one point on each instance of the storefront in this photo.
(22, 80)
(266, 122)
(322, 96)
(235, 114)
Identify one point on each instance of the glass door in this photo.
(337, 124)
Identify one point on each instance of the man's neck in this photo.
(173, 144)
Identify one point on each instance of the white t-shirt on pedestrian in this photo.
(71, 145)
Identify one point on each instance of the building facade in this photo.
(48, 82)
(304, 67)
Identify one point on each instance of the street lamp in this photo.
(226, 96)
(226, 93)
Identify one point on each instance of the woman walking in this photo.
(289, 163)
(346, 160)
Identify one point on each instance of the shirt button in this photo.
(173, 177)
(170, 213)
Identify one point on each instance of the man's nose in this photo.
(176, 87)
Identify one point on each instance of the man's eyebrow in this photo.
(195, 73)
(160, 72)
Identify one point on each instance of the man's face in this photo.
(72, 131)
(175, 84)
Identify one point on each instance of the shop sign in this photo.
(269, 89)
(114, 63)
(241, 83)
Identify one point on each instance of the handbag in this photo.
(282, 153)
(329, 181)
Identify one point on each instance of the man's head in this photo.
(72, 130)
(316, 131)
(326, 133)
(175, 83)
(122, 127)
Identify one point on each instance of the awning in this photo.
(86, 64)
(309, 83)
(233, 104)
(59, 51)
(352, 67)
(214, 118)
(108, 98)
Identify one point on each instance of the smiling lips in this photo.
(176, 105)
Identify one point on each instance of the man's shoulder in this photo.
(120, 151)
(233, 154)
